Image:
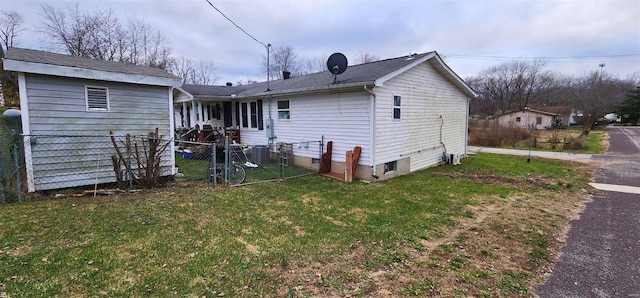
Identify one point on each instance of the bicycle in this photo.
(237, 173)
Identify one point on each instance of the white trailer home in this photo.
(63, 98)
(406, 113)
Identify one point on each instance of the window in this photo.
(390, 166)
(252, 114)
(518, 119)
(396, 107)
(245, 115)
(538, 120)
(284, 111)
(97, 98)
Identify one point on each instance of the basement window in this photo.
(396, 106)
(391, 166)
(97, 98)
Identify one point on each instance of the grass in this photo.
(489, 227)
(559, 140)
(198, 170)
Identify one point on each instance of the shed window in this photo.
(518, 119)
(396, 106)
(97, 98)
(538, 120)
(284, 110)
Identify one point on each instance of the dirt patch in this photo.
(503, 246)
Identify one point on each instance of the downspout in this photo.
(466, 128)
(372, 133)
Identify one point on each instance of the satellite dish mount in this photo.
(337, 64)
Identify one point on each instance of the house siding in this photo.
(57, 107)
(526, 119)
(340, 117)
(426, 95)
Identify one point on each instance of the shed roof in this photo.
(35, 61)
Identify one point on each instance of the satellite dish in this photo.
(337, 64)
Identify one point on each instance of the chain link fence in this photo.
(11, 160)
(54, 164)
(242, 164)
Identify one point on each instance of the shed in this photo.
(406, 113)
(70, 104)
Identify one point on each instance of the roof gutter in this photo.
(302, 91)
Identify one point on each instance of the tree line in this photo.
(103, 35)
(515, 85)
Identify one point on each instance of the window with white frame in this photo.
(396, 106)
(284, 110)
(518, 119)
(251, 114)
(97, 98)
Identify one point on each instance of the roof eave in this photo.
(302, 91)
(83, 73)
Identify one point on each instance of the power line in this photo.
(479, 57)
(234, 23)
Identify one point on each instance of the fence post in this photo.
(227, 153)
(213, 172)
(16, 163)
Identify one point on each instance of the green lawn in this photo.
(484, 228)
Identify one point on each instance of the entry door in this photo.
(226, 109)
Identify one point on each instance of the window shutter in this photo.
(238, 113)
(260, 117)
(97, 98)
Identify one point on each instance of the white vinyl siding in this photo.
(341, 117)
(426, 95)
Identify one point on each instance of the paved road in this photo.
(602, 256)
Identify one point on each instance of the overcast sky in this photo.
(576, 35)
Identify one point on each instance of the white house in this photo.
(526, 117)
(406, 113)
(63, 98)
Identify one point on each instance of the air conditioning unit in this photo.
(454, 159)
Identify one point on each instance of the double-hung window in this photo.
(97, 98)
(396, 106)
(284, 110)
(251, 114)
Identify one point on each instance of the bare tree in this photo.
(514, 85)
(10, 27)
(205, 73)
(102, 35)
(202, 73)
(282, 59)
(366, 58)
(597, 93)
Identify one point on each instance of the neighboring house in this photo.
(406, 113)
(564, 113)
(66, 97)
(526, 117)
